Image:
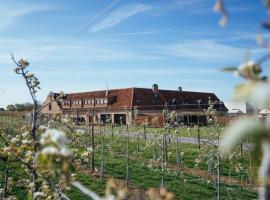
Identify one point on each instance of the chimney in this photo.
(107, 90)
(180, 89)
(155, 88)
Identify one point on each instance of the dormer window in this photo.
(77, 102)
(88, 102)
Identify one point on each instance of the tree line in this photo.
(21, 107)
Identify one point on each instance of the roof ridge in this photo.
(132, 88)
(100, 90)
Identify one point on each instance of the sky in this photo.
(82, 45)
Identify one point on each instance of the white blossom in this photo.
(25, 134)
(14, 140)
(42, 128)
(239, 130)
(259, 94)
(50, 151)
(39, 194)
(25, 141)
(80, 132)
(65, 152)
(54, 136)
(89, 149)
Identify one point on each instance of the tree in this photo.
(11, 108)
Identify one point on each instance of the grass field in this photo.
(186, 181)
(184, 185)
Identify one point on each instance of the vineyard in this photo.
(122, 153)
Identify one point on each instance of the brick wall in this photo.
(55, 109)
(154, 121)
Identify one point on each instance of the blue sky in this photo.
(84, 45)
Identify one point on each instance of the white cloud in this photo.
(189, 6)
(12, 11)
(38, 51)
(107, 70)
(184, 3)
(201, 49)
(119, 15)
(139, 33)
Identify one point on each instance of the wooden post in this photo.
(144, 131)
(6, 181)
(198, 132)
(163, 159)
(178, 159)
(112, 130)
(92, 146)
(102, 157)
(127, 158)
(138, 145)
(218, 178)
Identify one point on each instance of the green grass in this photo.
(191, 152)
(90, 182)
(183, 185)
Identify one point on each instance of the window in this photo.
(88, 102)
(76, 103)
(66, 103)
(105, 101)
(50, 107)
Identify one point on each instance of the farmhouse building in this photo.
(135, 105)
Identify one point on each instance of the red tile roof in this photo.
(123, 97)
(146, 99)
